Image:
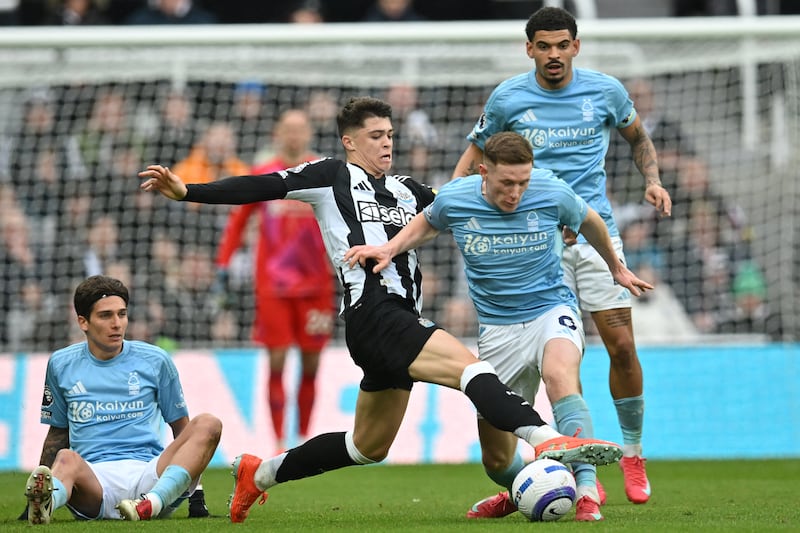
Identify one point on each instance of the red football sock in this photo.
(277, 400)
(305, 402)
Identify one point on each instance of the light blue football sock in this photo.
(59, 494)
(172, 483)
(572, 414)
(505, 478)
(585, 474)
(630, 412)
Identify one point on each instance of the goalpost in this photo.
(730, 85)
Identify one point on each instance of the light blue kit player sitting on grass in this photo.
(104, 400)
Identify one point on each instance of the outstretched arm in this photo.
(416, 232)
(595, 231)
(234, 190)
(645, 158)
(468, 163)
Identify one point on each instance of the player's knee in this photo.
(560, 382)
(620, 347)
(496, 461)
(67, 460)
(375, 453)
(498, 450)
(623, 353)
(65, 455)
(366, 453)
(207, 427)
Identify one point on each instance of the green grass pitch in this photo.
(688, 497)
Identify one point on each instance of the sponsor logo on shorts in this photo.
(568, 322)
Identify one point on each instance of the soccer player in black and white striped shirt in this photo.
(357, 202)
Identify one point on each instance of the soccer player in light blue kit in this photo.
(567, 114)
(104, 400)
(507, 224)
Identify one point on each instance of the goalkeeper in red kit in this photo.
(294, 284)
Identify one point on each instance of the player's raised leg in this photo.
(377, 420)
(444, 360)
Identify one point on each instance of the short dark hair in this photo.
(95, 288)
(359, 109)
(508, 148)
(551, 19)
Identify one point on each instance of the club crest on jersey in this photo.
(533, 221)
(400, 192)
(588, 110)
(404, 196)
(134, 386)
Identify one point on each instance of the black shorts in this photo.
(384, 339)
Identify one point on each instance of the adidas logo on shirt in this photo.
(76, 389)
(529, 116)
(472, 224)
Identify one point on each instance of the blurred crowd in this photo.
(70, 207)
(88, 12)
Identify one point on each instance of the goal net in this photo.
(83, 109)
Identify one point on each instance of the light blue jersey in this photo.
(512, 261)
(113, 409)
(568, 128)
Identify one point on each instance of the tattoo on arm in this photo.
(644, 155)
(57, 438)
(472, 168)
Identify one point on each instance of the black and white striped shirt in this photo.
(352, 207)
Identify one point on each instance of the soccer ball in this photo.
(544, 490)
